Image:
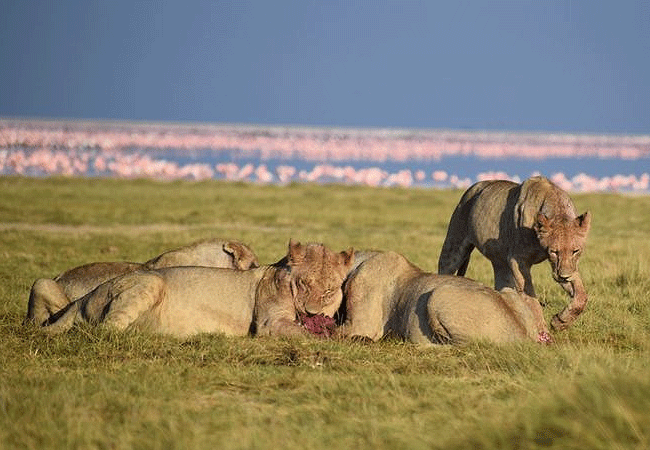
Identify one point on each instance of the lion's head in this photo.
(563, 239)
(243, 257)
(317, 275)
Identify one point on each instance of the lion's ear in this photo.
(240, 255)
(296, 251)
(233, 249)
(542, 224)
(348, 257)
(285, 278)
(584, 222)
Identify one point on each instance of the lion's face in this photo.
(564, 240)
(318, 275)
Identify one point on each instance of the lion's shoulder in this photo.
(388, 268)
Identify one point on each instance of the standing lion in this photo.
(516, 226)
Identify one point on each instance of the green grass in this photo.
(92, 388)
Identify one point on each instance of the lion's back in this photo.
(80, 280)
(494, 216)
(203, 299)
(502, 210)
(209, 253)
(490, 214)
(468, 310)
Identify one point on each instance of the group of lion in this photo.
(218, 285)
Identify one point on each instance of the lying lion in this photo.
(183, 301)
(388, 295)
(516, 226)
(48, 296)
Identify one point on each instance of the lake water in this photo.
(408, 158)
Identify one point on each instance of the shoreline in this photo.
(281, 155)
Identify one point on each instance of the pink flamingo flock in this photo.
(120, 149)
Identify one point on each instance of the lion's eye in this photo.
(576, 251)
(553, 252)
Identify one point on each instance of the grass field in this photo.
(92, 388)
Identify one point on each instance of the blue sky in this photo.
(570, 65)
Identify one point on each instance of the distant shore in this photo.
(284, 154)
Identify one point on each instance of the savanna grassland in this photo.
(93, 388)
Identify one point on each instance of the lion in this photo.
(183, 301)
(516, 226)
(320, 285)
(209, 253)
(48, 296)
(387, 295)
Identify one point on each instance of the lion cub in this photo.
(183, 301)
(516, 226)
(388, 295)
(49, 296)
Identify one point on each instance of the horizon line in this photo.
(302, 127)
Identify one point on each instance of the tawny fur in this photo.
(516, 226)
(49, 296)
(183, 301)
(317, 275)
(388, 295)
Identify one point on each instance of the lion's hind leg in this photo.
(454, 256)
(124, 302)
(458, 245)
(133, 299)
(459, 242)
(439, 332)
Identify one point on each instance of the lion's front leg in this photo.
(504, 275)
(363, 316)
(516, 275)
(279, 325)
(277, 316)
(286, 326)
(575, 288)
